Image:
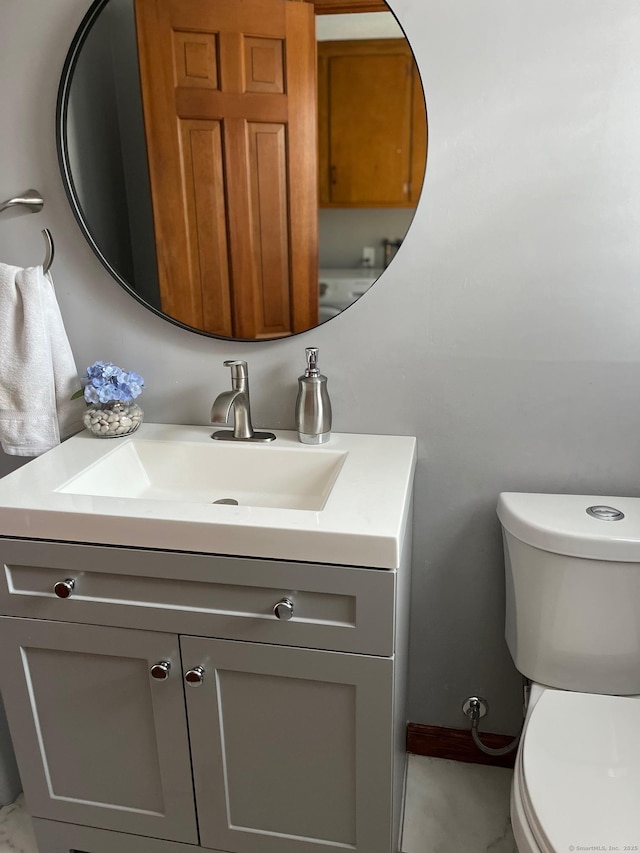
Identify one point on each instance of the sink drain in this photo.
(228, 501)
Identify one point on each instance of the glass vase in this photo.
(114, 419)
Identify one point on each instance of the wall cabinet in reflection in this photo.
(372, 124)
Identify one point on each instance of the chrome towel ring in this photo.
(50, 250)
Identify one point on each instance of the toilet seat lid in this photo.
(581, 770)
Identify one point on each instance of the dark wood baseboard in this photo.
(457, 745)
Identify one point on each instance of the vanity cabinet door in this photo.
(291, 748)
(99, 741)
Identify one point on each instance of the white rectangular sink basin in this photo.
(207, 473)
(346, 502)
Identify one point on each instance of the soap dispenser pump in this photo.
(313, 406)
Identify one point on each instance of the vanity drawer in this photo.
(334, 607)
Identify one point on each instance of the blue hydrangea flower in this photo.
(106, 383)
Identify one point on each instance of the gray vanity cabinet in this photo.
(162, 704)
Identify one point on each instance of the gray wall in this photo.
(506, 334)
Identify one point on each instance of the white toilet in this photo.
(572, 567)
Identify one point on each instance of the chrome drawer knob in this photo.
(284, 610)
(194, 677)
(160, 671)
(63, 589)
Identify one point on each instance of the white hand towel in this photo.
(37, 370)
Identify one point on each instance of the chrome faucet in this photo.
(236, 401)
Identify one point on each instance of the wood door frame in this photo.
(338, 7)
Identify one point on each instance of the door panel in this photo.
(291, 748)
(268, 182)
(99, 742)
(201, 147)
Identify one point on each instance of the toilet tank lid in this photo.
(561, 524)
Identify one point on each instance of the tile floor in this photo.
(453, 807)
(450, 808)
(16, 834)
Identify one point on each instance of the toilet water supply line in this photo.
(475, 708)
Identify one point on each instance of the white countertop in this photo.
(362, 522)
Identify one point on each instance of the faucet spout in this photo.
(236, 401)
(222, 406)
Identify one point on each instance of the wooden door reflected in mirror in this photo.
(230, 121)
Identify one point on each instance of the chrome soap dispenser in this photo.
(313, 406)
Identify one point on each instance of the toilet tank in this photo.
(573, 590)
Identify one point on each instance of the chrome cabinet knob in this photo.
(284, 610)
(63, 589)
(160, 671)
(194, 677)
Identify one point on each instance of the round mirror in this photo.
(244, 170)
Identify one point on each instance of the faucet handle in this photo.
(238, 368)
